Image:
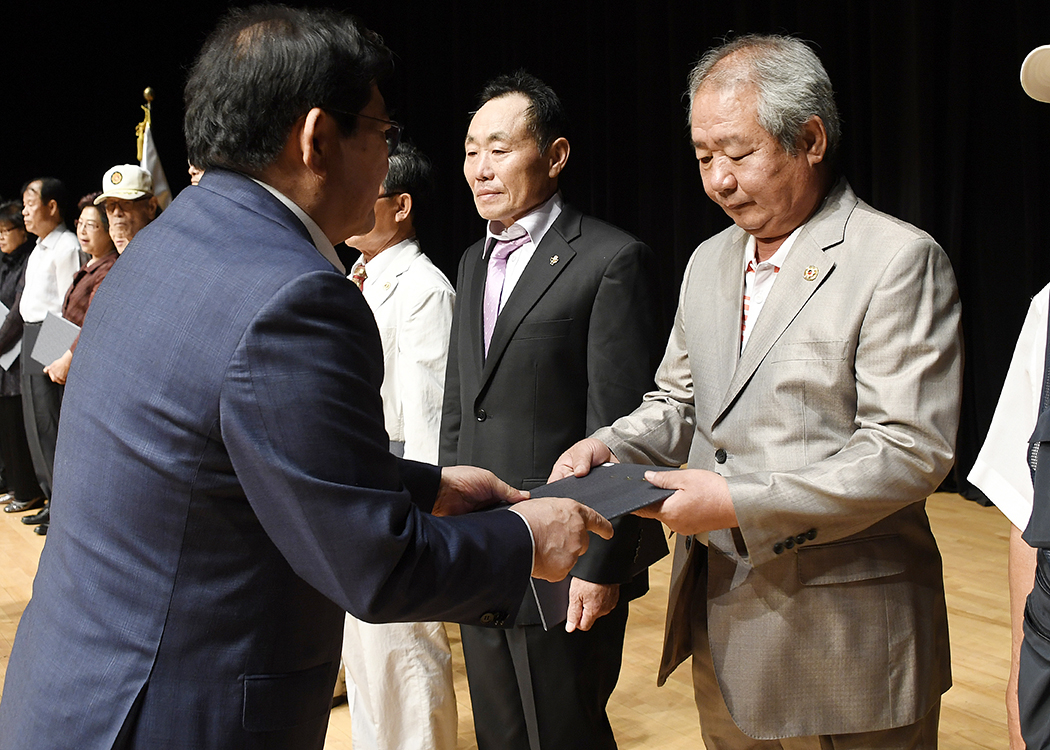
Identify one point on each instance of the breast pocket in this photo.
(795, 351)
(544, 329)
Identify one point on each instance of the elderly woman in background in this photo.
(15, 245)
(93, 233)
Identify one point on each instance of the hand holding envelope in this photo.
(688, 501)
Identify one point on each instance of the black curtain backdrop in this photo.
(937, 130)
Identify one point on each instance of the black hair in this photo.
(544, 117)
(266, 66)
(52, 189)
(11, 213)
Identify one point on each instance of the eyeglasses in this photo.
(4, 231)
(390, 195)
(89, 225)
(392, 133)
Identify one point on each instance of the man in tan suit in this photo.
(812, 383)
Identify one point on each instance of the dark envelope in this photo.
(613, 490)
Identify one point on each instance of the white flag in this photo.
(151, 162)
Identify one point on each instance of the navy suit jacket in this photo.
(223, 492)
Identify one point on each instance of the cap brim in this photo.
(126, 195)
(1035, 74)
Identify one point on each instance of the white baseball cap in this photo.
(1035, 74)
(127, 182)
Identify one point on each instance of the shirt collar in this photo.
(382, 260)
(535, 224)
(324, 247)
(776, 259)
(52, 238)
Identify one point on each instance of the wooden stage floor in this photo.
(973, 542)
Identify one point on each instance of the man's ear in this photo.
(53, 210)
(153, 206)
(316, 134)
(404, 206)
(813, 140)
(557, 156)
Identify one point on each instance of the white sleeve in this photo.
(1001, 470)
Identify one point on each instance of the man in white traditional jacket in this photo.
(399, 676)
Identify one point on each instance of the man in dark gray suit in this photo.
(226, 485)
(553, 334)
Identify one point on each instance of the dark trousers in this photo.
(18, 463)
(572, 676)
(1033, 687)
(41, 403)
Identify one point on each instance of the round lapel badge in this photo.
(810, 273)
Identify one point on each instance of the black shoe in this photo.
(41, 529)
(17, 506)
(42, 516)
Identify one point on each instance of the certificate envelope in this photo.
(613, 490)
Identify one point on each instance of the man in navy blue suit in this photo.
(225, 486)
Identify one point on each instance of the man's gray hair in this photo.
(791, 82)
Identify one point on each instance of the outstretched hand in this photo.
(701, 502)
(580, 459)
(559, 531)
(467, 488)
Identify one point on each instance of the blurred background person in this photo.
(15, 245)
(93, 234)
(95, 240)
(49, 273)
(127, 196)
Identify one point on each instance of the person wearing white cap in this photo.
(1005, 471)
(127, 192)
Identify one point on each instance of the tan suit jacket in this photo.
(825, 609)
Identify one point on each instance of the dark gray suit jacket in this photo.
(574, 348)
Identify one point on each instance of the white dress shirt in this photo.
(49, 274)
(759, 282)
(535, 224)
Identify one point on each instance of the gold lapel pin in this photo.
(810, 273)
(554, 259)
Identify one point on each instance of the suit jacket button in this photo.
(487, 618)
(480, 415)
(778, 548)
(811, 534)
(720, 455)
(800, 539)
(789, 543)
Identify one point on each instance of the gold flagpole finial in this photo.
(140, 129)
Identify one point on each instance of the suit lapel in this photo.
(475, 285)
(551, 257)
(806, 268)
